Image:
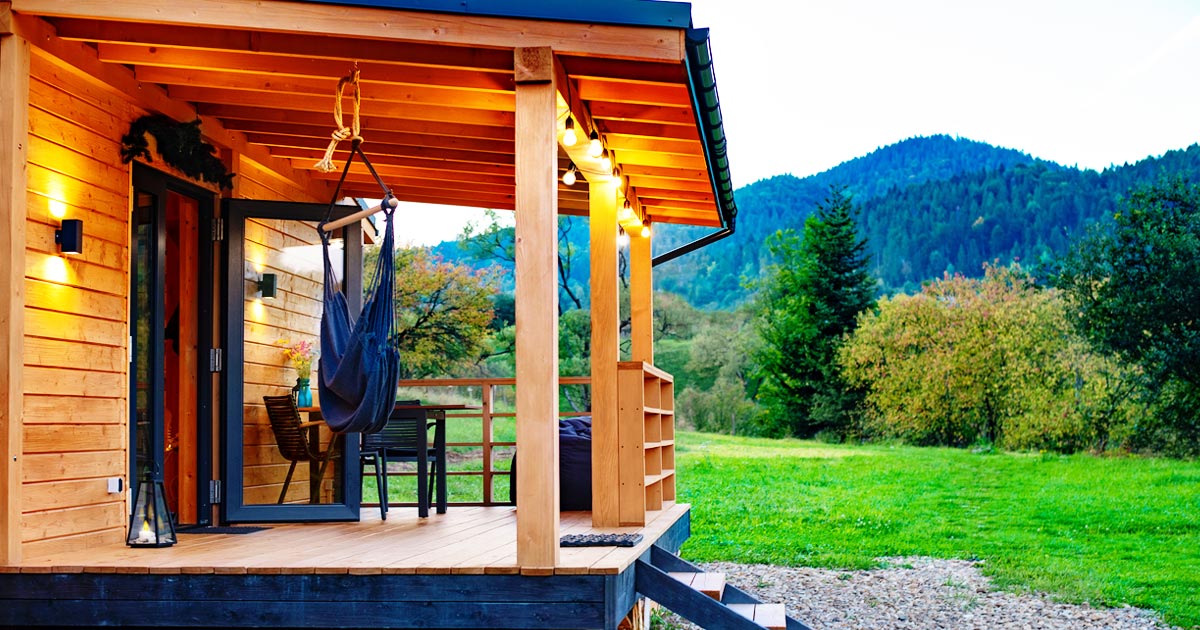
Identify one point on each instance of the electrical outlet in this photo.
(115, 485)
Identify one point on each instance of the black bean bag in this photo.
(574, 465)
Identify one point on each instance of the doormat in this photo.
(600, 540)
(216, 529)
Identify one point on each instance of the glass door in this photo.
(273, 301)
(170, 323)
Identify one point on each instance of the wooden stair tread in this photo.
(711, 584)
(772, 616)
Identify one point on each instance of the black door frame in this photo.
(159, 184)
(236, 211)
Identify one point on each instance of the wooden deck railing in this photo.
(495, 397)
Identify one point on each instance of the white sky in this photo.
(808, 84)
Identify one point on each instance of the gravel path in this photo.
(931, 594)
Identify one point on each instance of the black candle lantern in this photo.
(150, 525)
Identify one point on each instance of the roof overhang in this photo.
(438, 94)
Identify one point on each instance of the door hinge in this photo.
(214, 491)
(215, 360)
(218, 229)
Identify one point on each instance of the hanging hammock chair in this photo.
(359, 363)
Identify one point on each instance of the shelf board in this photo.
(653, 479)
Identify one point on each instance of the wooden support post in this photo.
(605, 353)
(536, 311)
(641, 300)
(14, 143)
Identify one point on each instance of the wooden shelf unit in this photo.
(646, 434)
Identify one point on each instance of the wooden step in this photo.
(711, 584)
(766, 615)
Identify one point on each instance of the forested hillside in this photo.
(928, 206)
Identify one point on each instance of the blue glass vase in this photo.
(302, 393)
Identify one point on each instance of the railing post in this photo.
(488, 390)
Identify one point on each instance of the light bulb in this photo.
(605, 160)
(569, 177)
(622, 238)
(625, 214)
(594, 146)
(645, 231)
(569, 137)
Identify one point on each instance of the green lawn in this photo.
(1104, 530)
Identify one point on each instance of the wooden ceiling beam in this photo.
(668, 160)
(380, 150)
(446, 178)
(696, 221)
(655, 202)
(315, 103)
(666, 181)
(643, 94)
(383, 162)
(372, 136)
(404, 183)
(623, 70)
(370, 123)
(666, 193)
(634, 112)
(665, 172)
(650, 130)
(621, 142)
(305, 45)
(407, 167)
(629, 42)
(381, 91)
(301, 67)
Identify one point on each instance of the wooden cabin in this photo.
(150, 349)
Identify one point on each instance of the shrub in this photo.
(970, 361)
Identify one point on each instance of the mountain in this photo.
(711, 277)
(927, 205)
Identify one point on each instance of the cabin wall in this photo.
(76, 314)
(76, 341)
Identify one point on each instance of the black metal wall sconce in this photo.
(267, 286)
(70, 236)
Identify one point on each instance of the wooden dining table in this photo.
(435, 412)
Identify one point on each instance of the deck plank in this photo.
(466, 540)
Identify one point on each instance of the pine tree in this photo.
(810, 299)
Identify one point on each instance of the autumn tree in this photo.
(443, 312)
(991, 361)
(809, 300)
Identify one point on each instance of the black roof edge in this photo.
(707, 107)
(616, 12)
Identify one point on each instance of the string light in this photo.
(595, 149)
(569, 137)
(622, 238)
(569, 177)
(645, 231)
(605, 160)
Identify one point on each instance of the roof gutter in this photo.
(707, 109)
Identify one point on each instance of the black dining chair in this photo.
(404, 438)
(292, 436)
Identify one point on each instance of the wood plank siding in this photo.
(76, 308)
(76, 334)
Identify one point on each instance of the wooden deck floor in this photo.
(465, 540)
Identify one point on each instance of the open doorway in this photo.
(171, 328)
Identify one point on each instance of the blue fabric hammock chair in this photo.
(359, 363)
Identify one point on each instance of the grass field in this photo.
(1109, 531)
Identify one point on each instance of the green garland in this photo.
(179, 144)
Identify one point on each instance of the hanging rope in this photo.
(343, 132)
